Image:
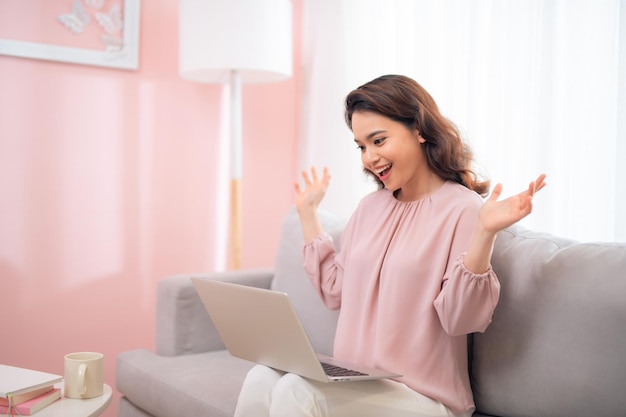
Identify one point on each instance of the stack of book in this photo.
(26, 391)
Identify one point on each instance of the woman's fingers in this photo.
(314, 174)
(314, 178)
(539, 183)
(305, 177)
(495, 194)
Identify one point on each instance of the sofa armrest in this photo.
(182, 324)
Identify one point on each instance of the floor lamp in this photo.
(235, 42)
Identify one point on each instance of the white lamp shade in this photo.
(253, 37)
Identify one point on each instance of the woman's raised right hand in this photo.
(314, 189)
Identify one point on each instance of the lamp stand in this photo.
(235, 232)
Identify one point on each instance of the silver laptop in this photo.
(261, 326)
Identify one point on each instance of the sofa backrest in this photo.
(556, 346)
(289, 276)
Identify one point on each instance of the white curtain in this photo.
(533, 85)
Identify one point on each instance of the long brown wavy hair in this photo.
(402, 99)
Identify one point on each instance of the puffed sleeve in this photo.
(323, 269)
(467, 300)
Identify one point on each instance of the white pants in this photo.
(267, 392)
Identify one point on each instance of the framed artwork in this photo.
(90, 32)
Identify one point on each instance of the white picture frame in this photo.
(124, 55)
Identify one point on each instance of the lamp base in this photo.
(235, 244)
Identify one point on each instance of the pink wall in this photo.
(108, 184)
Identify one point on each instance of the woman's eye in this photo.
(360, 147)
(378, 141)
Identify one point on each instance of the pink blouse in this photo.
(406, 300)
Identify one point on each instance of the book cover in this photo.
(19, 399)
(33, 405)
(15, 381)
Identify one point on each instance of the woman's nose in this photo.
(370, 155)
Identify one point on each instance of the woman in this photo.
(412, 276)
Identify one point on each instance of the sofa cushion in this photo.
(556, 343)
(202, 384)
(289, 276)
(127, 409)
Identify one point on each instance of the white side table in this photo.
(69, 407)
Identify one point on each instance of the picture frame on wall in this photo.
(90, 32)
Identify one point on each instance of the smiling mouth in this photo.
(384, 172)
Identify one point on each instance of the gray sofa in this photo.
(556, 346)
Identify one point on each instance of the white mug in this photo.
(84, 375)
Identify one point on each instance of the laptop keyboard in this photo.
(332, 370)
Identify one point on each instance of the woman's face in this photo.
(391, 152)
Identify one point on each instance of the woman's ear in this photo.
(420, 139)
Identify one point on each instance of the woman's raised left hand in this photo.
(496, 215)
